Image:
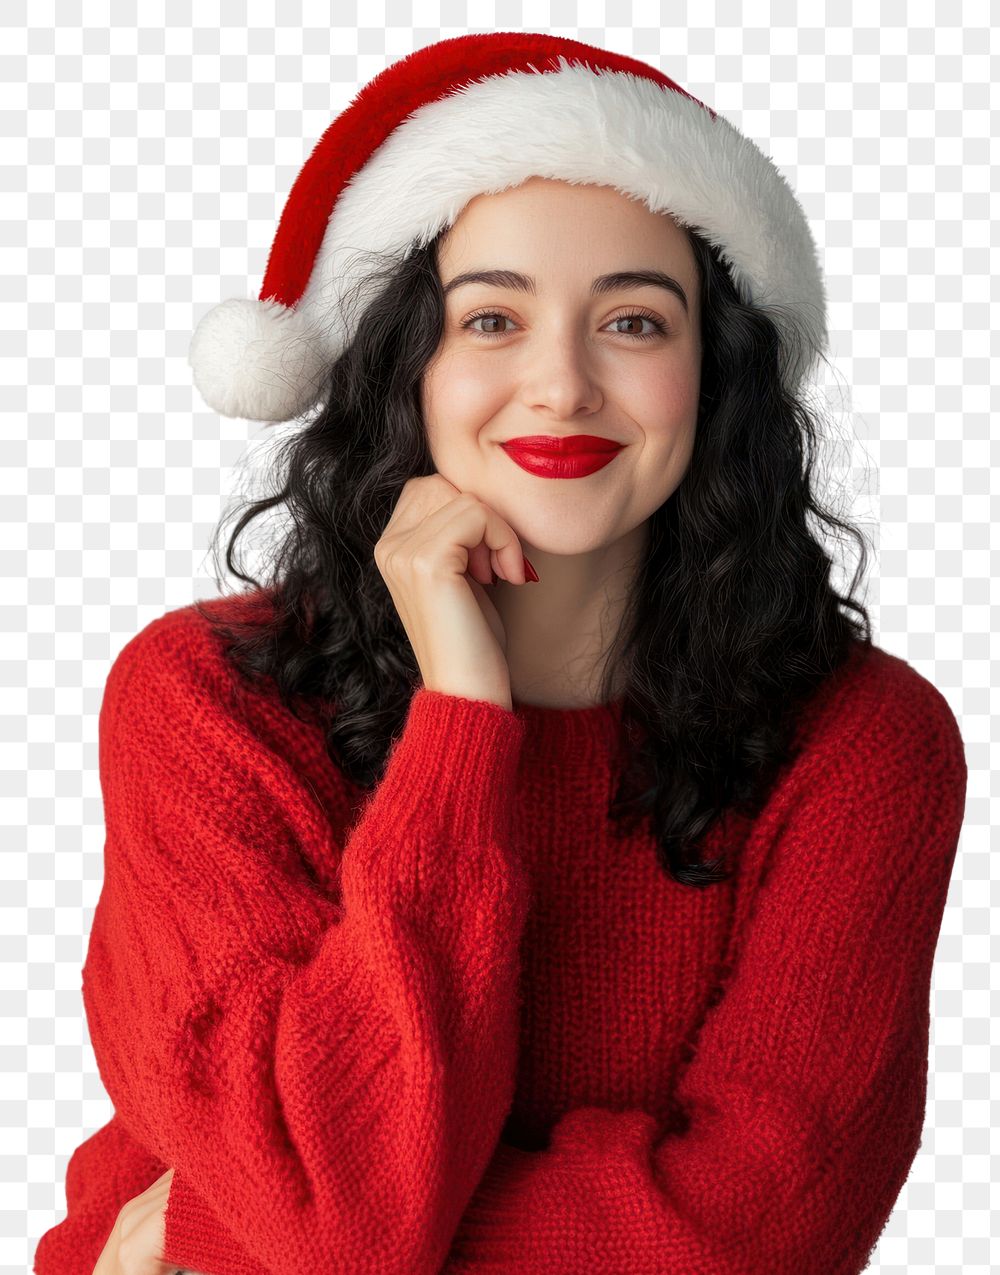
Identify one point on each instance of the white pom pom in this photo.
(258, 360)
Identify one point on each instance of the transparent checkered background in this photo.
(145, 171)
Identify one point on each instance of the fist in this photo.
(435, 556)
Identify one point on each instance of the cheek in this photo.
(659, 470)
(458, 404)
(665, 406)
(462, 390)
(662, 399)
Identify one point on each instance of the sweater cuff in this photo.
(453, 769)
(196, 1241)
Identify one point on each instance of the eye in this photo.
(630, 315)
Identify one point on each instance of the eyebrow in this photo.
(615, 282)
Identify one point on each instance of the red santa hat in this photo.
(474, 115)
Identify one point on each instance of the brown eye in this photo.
(486, 314)
(660, 328)
(633, 316)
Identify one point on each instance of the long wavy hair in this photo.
(731, 624)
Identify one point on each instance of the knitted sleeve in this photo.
(805, 1095)
(327, 1071)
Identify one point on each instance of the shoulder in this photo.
(878, 731)
(173, 703)
(878, 699)
(199, 767)
(876, 784)
(184, 641)
(174, 673)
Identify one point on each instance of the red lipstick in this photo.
(572, 457)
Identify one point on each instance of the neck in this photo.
(560, 630)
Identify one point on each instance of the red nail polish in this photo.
(530, 571)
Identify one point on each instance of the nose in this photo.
(561, 378)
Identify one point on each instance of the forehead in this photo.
(549, 223)
(548, 237)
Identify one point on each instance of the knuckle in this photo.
(465, 500)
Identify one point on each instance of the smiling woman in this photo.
(566, 367)
(660, 570)
(617, 958)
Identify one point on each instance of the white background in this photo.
(145, 169)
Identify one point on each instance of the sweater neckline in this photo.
(562, 733)
(577, 713)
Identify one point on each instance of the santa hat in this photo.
(475, 115)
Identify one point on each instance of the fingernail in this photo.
(530, 571)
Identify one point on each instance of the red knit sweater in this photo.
(458, 1025)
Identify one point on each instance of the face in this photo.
(622, 364)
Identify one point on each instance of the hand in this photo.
(436, 554)
(135, 1245)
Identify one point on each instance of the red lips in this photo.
(572, 457)
(562, 446)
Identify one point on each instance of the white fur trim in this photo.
(608, 128)
(263, 361)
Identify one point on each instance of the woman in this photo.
(583, 923)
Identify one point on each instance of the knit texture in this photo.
(460, 1023)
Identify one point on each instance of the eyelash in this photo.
(661, 327)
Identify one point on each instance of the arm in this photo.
(327, 1072)
(805, 1095)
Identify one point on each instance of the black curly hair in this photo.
(732, 622)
